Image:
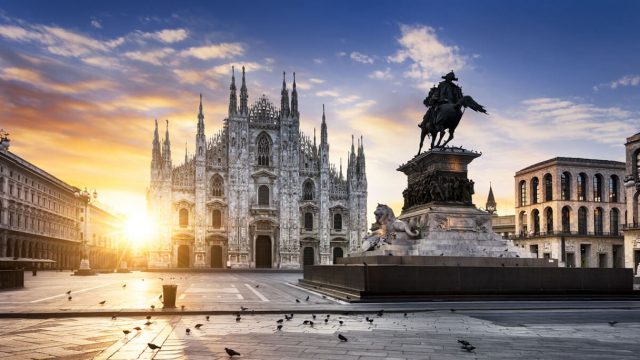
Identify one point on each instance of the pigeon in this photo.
(341, 322)
(307, 299)
(324, 296)
(148, 317)
(342, 338)
(326, 321)
(298, 301)
(231, 352)
(370, 320)
(441, 254)
(69, 298)
(348, 297)
(258, 285)
(102, 302)
(464, 342)
(612, 323)
(469, 348)
(69, 292)
(126, 332)
(365, 263)
(306, 322)
(182, 307)
(517, 255)
(198, 326)
(311, 323)
(380, 313)
(279, 327)
(153, 346)
(313, 316)
(238, 318)
(452, 310)
(160, 297)
(243, 308)
(507, 249)
(153, 307)
(188, 331)
(148, 323)
(161, 279)
(328, 316)
(405, 314)
(207, 317)
(124, 286)
(113, 317)
(138, 328)
(280, 321)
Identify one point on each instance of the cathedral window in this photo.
(308, 190)
(264, 150)
(263, 195)
(337, 222)
(308, 221)
(184, 217)
(216, 219)
(217, 186)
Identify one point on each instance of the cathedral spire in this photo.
(155, 154)
(244, 96)
(340, 168)
(323, 129)
(166, 146)
(200, 118)
(491, 205)
(185, 152)
(284, 97)
(294, 98)
(233, 99)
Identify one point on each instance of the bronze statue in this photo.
(445, 109)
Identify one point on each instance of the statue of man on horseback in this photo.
(445, 105)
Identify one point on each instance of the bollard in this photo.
(169, 295)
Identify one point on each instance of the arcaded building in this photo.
(572, 209)
(257, 194)
(632, 189)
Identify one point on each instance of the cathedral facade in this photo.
(257, 194)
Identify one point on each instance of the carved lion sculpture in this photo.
(391, 230)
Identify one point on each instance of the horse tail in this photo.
(467, 101)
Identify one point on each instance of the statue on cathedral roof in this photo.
(445, 107)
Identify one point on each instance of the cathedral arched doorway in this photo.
(308, 256)
(337, 253)
(263, 251)
(183, 256)
(216, 256)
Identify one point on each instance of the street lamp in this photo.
(87, 198)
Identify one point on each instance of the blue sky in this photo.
(559, 78)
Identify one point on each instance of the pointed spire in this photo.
(155, 154)
(166, 146)
(294, 98)
(314, 138)
(200, 118)
(323, 129)
(244, 96)
(233, 99)
(185, 152)
(491, 205)
(284, 97)
(340, 168)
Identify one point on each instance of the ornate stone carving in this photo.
(390, 230)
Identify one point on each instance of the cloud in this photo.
(36, 79)
(341, 54)
(219, 51)
(361, 58)
(96, 24)
(347, 99)
(318, 61)
(429, 57)
(627, 80)
(381, 74)
(153, 57)
(316, 81)
(331, 93)
(214, 74)
(168, 36)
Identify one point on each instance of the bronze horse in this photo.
(447, 118)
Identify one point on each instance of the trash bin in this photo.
(169, 295)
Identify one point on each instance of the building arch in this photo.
(337, 253)
(548, 187)
(535, 220)
(308, 221)
(522, 220)
(598, 221)
(614, 221)
(614, 188)
(216, 218)
(523, 193)
(183, 217)
(337, 222)
(264, 145)
(581, 182)
(217, 186)
(263, 195)
(308, 256)
(535, 190)
(548, 215)
(597, 188)
(308, 190)
(566, 219)
(582, 220)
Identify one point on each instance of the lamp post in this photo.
(87, 198)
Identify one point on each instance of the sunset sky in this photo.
(81, 82)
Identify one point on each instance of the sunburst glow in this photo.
(139, 228)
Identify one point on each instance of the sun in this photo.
(139, 228)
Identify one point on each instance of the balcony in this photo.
(541, 234)
(631, 226)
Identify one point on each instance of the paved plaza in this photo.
(84, 329)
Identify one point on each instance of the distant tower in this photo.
(491, 202)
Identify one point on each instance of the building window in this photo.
(337, 222)
(183, 214)
(308, 190)
(548, 187)
(217, 186)
(263, 195)
(216, 219)
(548, 214)
(565, 186)
(536, 221)
(614, 221)
(582, 187)
(535, 187)
(523, 193)
(566, 219)
(597, 221)
(264, 150)
(308, 221)
(613, 188)
(597, 188)
(582, 220)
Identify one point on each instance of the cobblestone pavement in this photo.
(430, 335)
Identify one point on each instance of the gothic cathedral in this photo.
(258, 194)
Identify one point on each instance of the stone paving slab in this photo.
(392, 336)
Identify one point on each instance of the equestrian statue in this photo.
(445, 107)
